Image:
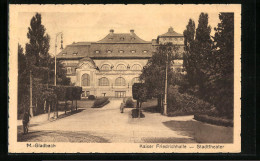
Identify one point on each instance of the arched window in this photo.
(120, 81)
(135, 80)
(105, 67)
(103, 81)
(85, 80)
(121, 67)
(136, 67)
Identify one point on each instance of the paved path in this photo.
(112, 126)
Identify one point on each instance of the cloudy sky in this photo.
(93, 22)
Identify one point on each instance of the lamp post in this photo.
(166, 88)
(55, 77)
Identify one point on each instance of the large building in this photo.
(110, 66)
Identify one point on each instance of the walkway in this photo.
(107, 124)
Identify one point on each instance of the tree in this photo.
(188, 57)
(153, 74)
(222, 76)
(38, 62)
(198, 54)
(23, 80)
(38, 46)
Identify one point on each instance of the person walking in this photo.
(26, 120)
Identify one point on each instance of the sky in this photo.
(93, 22)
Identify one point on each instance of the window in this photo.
(121, 67)
(132, 38)
(145, 51)
(109, 51)
(135, 80)
(122, 39)
(105, 67)
(120, 81)
(69, 70)
(75, 53)
(133, 51)
(97, 51)
(103, 81)
(110, 38)
(64, 53)
(136, 67)
(85, 80)
(121, 51)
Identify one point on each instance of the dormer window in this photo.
(97, 51)
(109, 51)
(133, 51)
(75, 53)
(132, 38)
(145, 51)
(122, 39)
(110, 38)
(121, 51)
(64, 53)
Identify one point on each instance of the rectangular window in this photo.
(97, 51)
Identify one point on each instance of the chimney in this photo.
(170, 29)
(111, 31)
(132, 31)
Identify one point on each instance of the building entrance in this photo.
(120, 94)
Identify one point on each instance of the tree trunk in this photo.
(65, 106)
(76, 106)
(57, 108)
(44, 107)
(139, 115)
(71, 107)
(49, 111)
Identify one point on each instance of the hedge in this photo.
(91, 97)
(67, 92)
(184, 104)
(42, 93)
(214, 120)
(129, 103)
(100, 102)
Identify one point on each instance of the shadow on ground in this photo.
(60, 136)
(184, 128)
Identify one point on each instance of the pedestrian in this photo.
(26, 119)
(122, 107)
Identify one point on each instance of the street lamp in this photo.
(165, 90)
(58, 34)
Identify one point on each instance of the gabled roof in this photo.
(75, 50)
(122, 38)
(170, 33)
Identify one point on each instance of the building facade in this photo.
(111, 66)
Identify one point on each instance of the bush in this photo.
(135, 113)
(214, 120)
(100, 102)
(129, 103)
(185, 104)
(91, 97)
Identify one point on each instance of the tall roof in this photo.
(114, 45)
(170, 33)
(122, 38)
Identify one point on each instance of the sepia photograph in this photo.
(124, 78)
